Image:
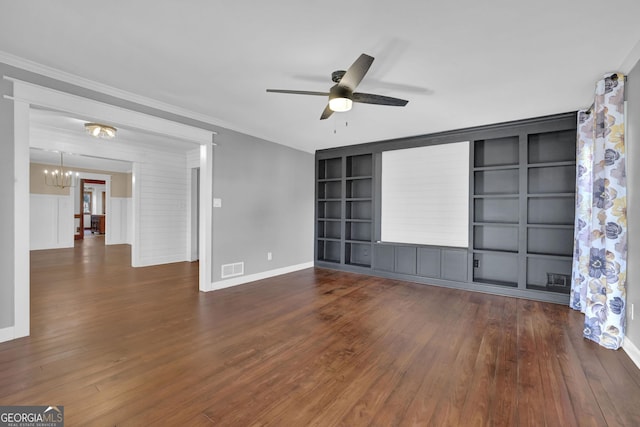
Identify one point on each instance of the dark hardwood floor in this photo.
(122, 346)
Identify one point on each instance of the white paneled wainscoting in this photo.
(51, 221)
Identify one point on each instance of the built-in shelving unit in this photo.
(521, 211)
(551, 172)
(496, 170)
(345, 210)
(329, 210)
(523, 206)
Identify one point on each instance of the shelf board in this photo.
(551, 164)
(495, 282)
(362, 242)
(334, 261)
(353, 178)
(358, 199)
(330, 200)
(499, 224)
(358, 265)
(357, 220)
(550, 256)
(556, 289)
(502, 223)
(330, 180)
(329, 219)
(496, 196)
(494, 251)
(329, 239)
(548, 195)
(557, 226)
(495, 168)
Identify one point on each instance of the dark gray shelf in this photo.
(559, 226)
(496, 168)
(551, 146)
(496, 282)
(359, 166)
(552, 179)
(549, 195)
(497, 196)
(494, 251)
(550, 256)
(330, 168)
(551, 164)
(496, 151)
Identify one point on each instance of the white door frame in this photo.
(26, 95)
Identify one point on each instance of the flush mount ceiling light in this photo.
(100, 131)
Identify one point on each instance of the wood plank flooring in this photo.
(136, 347)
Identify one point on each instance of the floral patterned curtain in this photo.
(600, 248)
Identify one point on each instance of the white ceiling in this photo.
(49, 128)
(459, 63)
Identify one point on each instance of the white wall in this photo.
(161, 191)
(121, 219)
(51, 221)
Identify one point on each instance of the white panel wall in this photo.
(51, 221)
(120, 220)
(163, 194)
(425, 195)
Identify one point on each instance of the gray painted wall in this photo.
(633, 203)
(267, 204)
(6, 207)
(267, 192)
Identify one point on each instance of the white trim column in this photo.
(21, 296)
(206, 218)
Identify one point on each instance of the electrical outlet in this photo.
(269, 256)
(476, 263)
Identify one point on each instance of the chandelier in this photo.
(60, 178)
(100, 131)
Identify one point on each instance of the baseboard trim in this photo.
(7, 334)
(258, 276)
(630, 348)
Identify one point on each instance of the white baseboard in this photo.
(7, 334)
(258, 276)
(633, 351)
(169, 259)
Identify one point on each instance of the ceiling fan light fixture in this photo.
(100, 131)
(340, 105)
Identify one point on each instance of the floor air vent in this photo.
(231, 270)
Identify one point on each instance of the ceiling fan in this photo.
(342, 95)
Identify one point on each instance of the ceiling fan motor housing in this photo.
(336, 76)
(338, 91)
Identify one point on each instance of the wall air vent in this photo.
(232, 270)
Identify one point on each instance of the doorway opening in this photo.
(90, 208)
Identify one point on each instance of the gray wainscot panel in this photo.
(383, 257)
(454, 264)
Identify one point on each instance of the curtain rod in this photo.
(590, 109)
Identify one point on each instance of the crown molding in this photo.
(63, 76)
